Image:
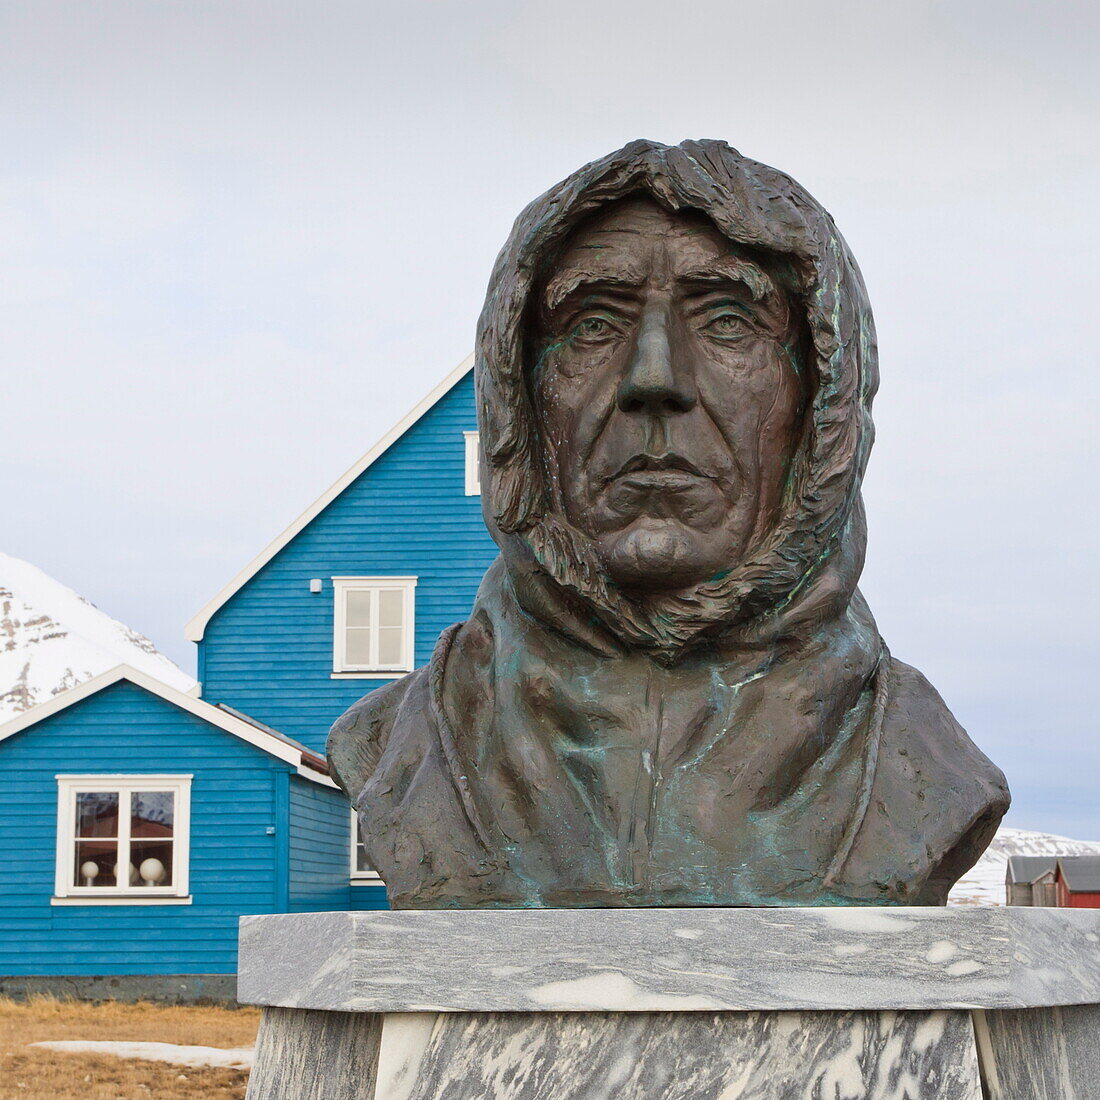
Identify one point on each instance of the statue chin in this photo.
(655, 556)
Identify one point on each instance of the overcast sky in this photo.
(239, 240)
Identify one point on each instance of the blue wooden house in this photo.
(138, 822)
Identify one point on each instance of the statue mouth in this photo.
(658, 471)
(662, 485)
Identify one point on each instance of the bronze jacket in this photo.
(495, 778)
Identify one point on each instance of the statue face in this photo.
(667, 393)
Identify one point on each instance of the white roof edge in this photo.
(274, 746)
(196, 627)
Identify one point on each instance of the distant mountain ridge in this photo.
(52, 639)
(984, 884)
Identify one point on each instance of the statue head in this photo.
(667, 392)
(675, 369)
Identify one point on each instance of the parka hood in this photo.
(807, 566)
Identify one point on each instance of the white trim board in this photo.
(289, 752)
(195, 629)
(122, 899)
(471, 448)
(367, 675)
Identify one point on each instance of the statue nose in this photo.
(655, 381)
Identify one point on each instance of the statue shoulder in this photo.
(457, 681)
(918, 724)
(360, 735)
(953, 793)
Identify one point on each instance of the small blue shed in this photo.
(140, 822)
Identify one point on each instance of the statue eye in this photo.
(728, 326)
(592, 329)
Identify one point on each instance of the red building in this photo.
(1077, 882)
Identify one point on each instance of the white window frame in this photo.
(68, 786)
(473, 471)
(357, 876)
(341, 667)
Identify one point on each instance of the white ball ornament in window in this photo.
(152, 871)
(133, 875)
(89, 872)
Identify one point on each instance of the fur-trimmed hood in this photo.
(814, 553)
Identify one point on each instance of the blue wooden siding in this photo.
(319, 848)
(124, 729)
(320, 853)
(368, 897)
(268, 650)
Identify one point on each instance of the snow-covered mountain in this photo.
(52, 639)
(984, 883)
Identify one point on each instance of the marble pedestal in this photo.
(663, 1004)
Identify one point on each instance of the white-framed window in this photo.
(123, 837)
(473, 475)
(373, 625)
(361, 869)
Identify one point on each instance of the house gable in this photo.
(311, 765)
(195, 628)
(403, 512)
(1077, 882)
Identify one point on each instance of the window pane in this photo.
(358, 647)
(357, 607)
(153, 862)
(362, 861)
(152, 813)
(389, 645)
(97, 813)
(94, 862)
(391, 607)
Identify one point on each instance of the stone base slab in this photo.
(733, 1004)
(652, 960)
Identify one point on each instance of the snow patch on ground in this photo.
(52, 639)
(984, 883)
(237, 1058)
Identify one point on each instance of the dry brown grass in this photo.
(44, 1075)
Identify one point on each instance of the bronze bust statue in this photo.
(670, 691)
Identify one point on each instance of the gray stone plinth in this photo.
(678, 1056)
(308, 1055)
(729, 1004)
(1041, 1052)
(654, 960)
